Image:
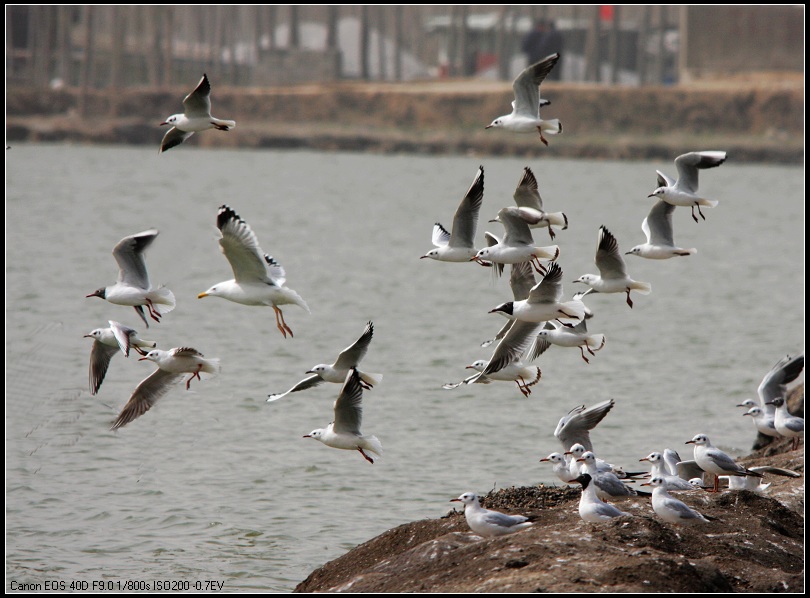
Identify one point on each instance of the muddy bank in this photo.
(754, 123)
(756, 545)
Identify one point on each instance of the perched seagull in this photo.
(613, 276)
(489, 523)
(196, 117)
(788, 425)
(671, 509)
(133, 286)
(561, 466)
(755, 484)
(521, 281)
(344, 431)
(659, 469)
(544, 302)
(106, 343)
(714, 461)
(258, 279)
(608, 484)
(577, 451)
(349, 358)
(574, 428)
(530, 205)
(683, 192)
(671, 460)
(525, 116)
(517, 245)
(505, 363)
(459, 246)
(657, 226)
(764, 422)
(774, 383)
(578, 336)
(172, 365)
(591, 508)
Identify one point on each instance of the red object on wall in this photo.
(606, 12)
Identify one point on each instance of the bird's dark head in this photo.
(504, 308)
(584, 479)
(102, 293)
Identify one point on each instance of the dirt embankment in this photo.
(756, 544)
(753, 122)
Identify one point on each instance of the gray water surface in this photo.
(217, 484)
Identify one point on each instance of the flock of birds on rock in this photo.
(537, 318)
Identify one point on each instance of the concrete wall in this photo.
(740, 39)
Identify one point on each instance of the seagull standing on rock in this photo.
(485, 522)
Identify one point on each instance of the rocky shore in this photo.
(754, 121)
(756, 544)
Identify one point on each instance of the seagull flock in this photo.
(538, 317)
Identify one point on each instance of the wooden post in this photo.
(643, 37)
(87, 62)
(364, 35)
(592, 48)
(398, 42)
(615, 43)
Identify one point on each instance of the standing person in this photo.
(532, 45)
(543, 40)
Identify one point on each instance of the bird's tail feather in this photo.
(373, 445)
(552, 252)
(557, 219)
(552, 127)
(596, 341)
(370, 379)
(645, 288)
(226, 124)
(162, 300)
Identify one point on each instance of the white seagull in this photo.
(525, 116)
(763, 422)
(591, 508)
(258, 279)
(683, 191)
(613, 277)
(712, 460)
(505, 363)
(574, 428)
(608, 484)
(530, 205)
(459, 246)
(517, 244)
(787, 424)
(196, 116)
(133, 287)
(755, 484)
(172, 366)
(657, 226)
(107, 342)
(349, 358)
(578, 336)
(660, 469)
(774, 383)
(544, 302)
(489, 523)
(561, 466)
(669, 508)
(344, 431)
(521, 281)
